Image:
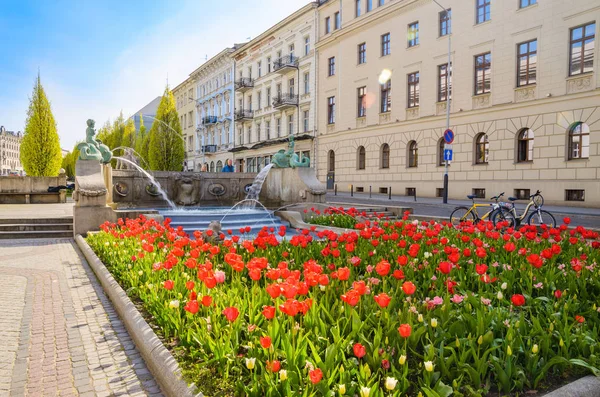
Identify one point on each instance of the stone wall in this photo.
(30, 184)
(132, 189)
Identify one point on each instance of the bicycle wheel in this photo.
(538, 200)
(541, 217)
(503, 219)
(461, 214)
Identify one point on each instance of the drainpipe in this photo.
(315, 101)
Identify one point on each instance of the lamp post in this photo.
(448, 89)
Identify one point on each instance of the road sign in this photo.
(449, 136)
(448, 154)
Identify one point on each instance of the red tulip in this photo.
(383, 299)
(359, 350)
(268, 312)
(405, 330)
(385, 364)
(315, 375)
(265, 341)
(273, 366)
(383, 268)
(518, 300)
(409, 288)
(169, 284)
(445, 267)
(189, 285)
(231, 313)
(191, 306)
(398, 274)
(566, 220)
(580, 319)
(343, 273)
(351, 297)
(558, 294)
(206, 300)
(481, 269)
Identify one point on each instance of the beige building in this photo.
(524, 87)
(215, 111)
(185, 104)
(276, 91)
(10, 149)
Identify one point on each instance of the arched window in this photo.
(219, 166)
(212, 166)
(525, 145)
(579, 141)
(482, 149)
(441, 147)
(361, 158)
(385, 156)
(331, 165)
(413, 154)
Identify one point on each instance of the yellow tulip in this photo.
(342, 389)
(429, 366)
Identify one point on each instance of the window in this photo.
(385, 156)
(331, 66)
(526, 3)
(305, 119)
(522, 194)
(413, 154)
(482, 149)
(268, 129)
(444, 82)
(574, 195)
(219, 166)
(483, 10)
(240, 136)
(369, 5)
(380, 3)
(410, 191)
(331, 110)
(250, 102)
(386, 97)
(249, 133)
(413, 34)
(292, 86)
(478, 193)
(483, 65)
(527, 63)
(292, 48)
(327, 25)
(306, 45)
(445, 22)
(259, 68)
(413, 90)
(440, 152)
(525, 146)
(357, 10)
(337, 21)
(278, 127)
(385, 45)
(306, 82)
(212, 166)
(259, 99)
(258, 131)
(268, 64)
(362, 53)
(579, 141)
(268, 96)
(278, 89)
(360, 164)
(361, 102)
(291, 124)
(331, 162)
(250, 71)
(582, 49)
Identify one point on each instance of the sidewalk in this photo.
(59, 334)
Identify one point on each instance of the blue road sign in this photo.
(449, 136)
(448, 154)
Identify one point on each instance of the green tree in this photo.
(40, 148)
(166, 151)
(70, 160)
(142, 141)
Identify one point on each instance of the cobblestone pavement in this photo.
(59, 334)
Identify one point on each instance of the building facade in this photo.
(185, 103)
(146, 114)
(215, 111)
(10, 152)
(524, 87)
(275, 86)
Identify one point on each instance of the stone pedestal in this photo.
(292, 185)
(90, 197)
(107, 175)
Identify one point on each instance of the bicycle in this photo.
(538, 217)
(463, 214)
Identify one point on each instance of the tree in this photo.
(166, 151)
(70, 160)
(40, 148)
(142, 141)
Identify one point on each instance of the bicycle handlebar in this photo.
(535, 195)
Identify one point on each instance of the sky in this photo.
(97, 58)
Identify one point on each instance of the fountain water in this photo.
(254, 191)
(152, 180)
(137, 155)
(168, 126)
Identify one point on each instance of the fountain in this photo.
(254, 191)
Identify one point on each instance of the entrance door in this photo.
(330, 180)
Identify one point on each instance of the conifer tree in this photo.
(40, 149)
(166, 151)
(142, 141)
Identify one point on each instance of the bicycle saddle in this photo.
(513, 198)
(471, 196)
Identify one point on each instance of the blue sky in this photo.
(98, 57)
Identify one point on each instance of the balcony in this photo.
(285, 64)
(210, 120)
(244, 115)
(285, 101)
(209, 149)
(244, 84)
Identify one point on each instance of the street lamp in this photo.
(448, 88)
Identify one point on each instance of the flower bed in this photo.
(333, 217)
(388, 309)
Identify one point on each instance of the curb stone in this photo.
(159, 360)
(588, 386)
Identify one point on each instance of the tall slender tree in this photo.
(142, 141)
(166, 151)
(40, 149)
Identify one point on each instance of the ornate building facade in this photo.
(10, 149)
(185, 102)
(523, 82)
(276, 90)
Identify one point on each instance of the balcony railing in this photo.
(241, 115)
(244, 84)
(209, 148)
(285, 63)
(210, 120)
(285, 101)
